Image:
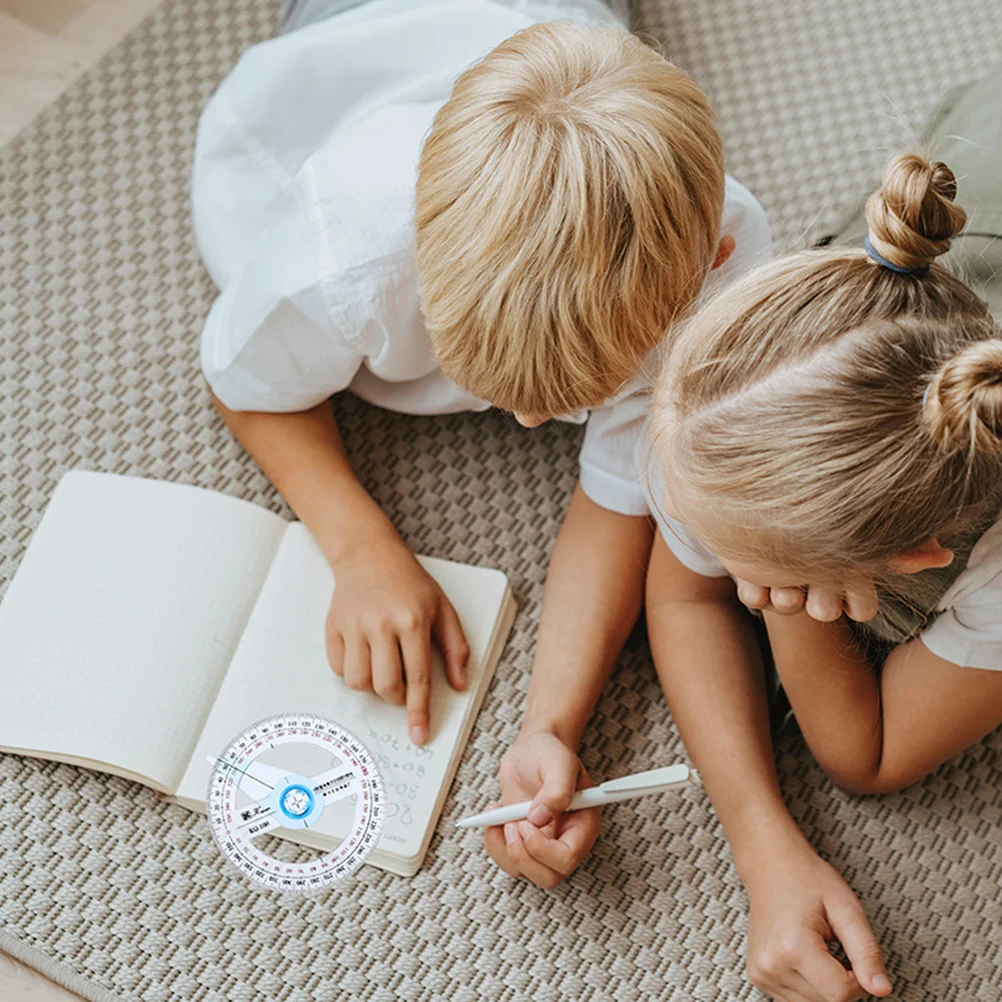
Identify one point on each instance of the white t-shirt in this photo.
(967, 630)
(303, 189)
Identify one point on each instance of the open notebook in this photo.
(149, 623)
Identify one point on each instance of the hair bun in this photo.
(963, 405)
(912, 217)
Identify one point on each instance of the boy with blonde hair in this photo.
(570, 204)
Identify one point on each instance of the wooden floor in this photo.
(44, 46)
(21, 984)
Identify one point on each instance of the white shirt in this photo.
(303, 189)
(967, 630)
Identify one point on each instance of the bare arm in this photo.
(386, 609)
(710, 668)
(302, 454)
(707, 658)
(874, 732)
(594, 591)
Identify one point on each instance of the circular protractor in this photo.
(256, 788)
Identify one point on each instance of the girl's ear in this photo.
(724, 250)
(922, 557)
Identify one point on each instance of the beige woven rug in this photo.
(121, 897)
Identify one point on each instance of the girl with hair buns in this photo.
(828, 443)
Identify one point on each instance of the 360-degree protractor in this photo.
(248, 797)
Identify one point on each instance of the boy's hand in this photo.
(548, 847)
(798, 904)
(385, 612)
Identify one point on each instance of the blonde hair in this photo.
(569, 200)
(826, 414)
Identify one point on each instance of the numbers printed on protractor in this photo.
(248, 797)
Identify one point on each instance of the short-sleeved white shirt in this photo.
(303, 190)
(967, 629)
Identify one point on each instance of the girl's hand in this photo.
(798, 904)
(548, 847)
(385, 612)
(857, 600)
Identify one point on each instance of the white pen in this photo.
(641, 784)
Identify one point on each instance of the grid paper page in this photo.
(281, 667)
(120, 622)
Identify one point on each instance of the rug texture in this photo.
(103, 296)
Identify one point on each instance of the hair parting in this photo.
(826, 414)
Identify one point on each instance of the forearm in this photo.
(303, 456)
(834, 692)
(707, 658)
(876, 732)
(593, 595)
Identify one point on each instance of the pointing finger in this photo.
(415, 645)
(448, 633)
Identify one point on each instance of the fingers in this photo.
(357, 673)
(563, 854)
(792, 989)
(523, 860)
(752, 595)
(823, 604)
(551, 853)
(560, 780)
(850, 925)
(416, 649)
(335, 648)
(522, 850)
(387, 671)
(824, 975)
(861, 602)
(551, 848)
(396, 669)
(799, 968)
(787, 601)
(447, 632)
(495, 845)
(797, 990)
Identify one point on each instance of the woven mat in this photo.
(122, 897)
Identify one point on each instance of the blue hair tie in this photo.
(920, 272)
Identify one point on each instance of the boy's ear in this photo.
(724, 250)
(922, 557)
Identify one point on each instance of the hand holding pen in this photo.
(554, 820)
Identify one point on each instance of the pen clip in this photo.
(654, 779)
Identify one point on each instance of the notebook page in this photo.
(281, 667)
(120, 622)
